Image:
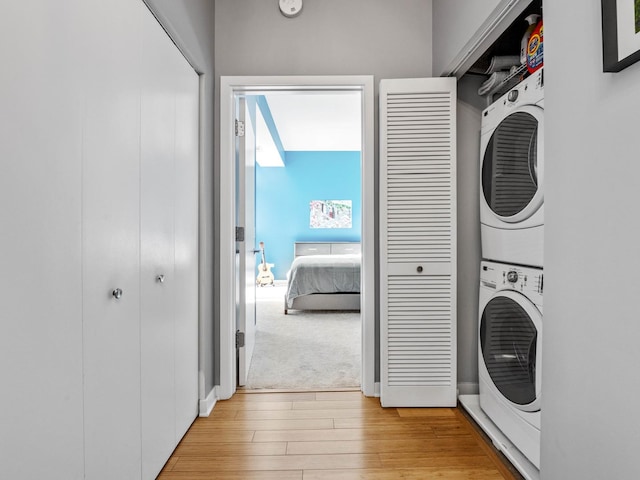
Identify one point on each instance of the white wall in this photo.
(454, 23)
(330, 37)
(190, 25)
(590, 419)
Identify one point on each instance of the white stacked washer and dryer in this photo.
(511, 277)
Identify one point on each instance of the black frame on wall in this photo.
(611, 33)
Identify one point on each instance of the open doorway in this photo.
(307, 203)
(231, 89)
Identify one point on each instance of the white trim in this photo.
(229, 87)
(208, 403)
(202, 242)
(377, 390)
(227, 244)
(502, 16)
(367, 242)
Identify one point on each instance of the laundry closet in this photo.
(501, 104)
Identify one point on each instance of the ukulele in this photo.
(265, 277)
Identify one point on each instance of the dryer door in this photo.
(512, 165)
(510, 346)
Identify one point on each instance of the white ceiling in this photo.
(317, 121)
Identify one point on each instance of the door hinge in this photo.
(239, 128)
(239, 234)
(239, 339)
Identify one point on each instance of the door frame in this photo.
(229, 88)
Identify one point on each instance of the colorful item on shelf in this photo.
(535, 58)
(532, 20)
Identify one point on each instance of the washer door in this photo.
(512, 165)
(510, 347)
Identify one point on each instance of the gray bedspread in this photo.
(323, 274)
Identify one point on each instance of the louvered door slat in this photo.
(418, 242)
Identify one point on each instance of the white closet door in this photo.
(157, 280)
(418, 242)
(111, 239)
(186, 247)
(41, 422)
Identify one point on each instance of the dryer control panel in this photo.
(501, 276)
(530, 91)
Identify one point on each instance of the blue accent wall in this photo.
(283, 196)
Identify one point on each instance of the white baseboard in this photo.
(208, 403)
(464, 388)
(468, 388)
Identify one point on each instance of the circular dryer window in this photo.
(508, 339)
(510, 165)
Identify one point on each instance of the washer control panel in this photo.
(512, 276)
(530, 91)
(526, 91)
(500, 276)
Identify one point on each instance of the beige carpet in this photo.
(303, 350)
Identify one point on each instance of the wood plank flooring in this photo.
(332, 435)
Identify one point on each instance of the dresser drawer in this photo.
(345, 248)
(312, 249)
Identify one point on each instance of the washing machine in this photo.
(510, 345)
(512, 175)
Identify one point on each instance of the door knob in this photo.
(117, 293)
(419, 269)
(160, 279)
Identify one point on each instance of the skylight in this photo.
(267, 154)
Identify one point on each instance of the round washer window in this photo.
(508, 340)
(509, 167)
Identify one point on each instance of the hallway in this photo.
(331, 435)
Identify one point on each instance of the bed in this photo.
(324, 276)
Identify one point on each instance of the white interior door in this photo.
(41, 241)
(186, 247)
(418, 242)
(246, 312)
(111, 241)
(157, 282)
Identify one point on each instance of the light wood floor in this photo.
(332, 435)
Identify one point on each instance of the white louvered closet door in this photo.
(418, 242)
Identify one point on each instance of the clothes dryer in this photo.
(512, 175)
(510, 344)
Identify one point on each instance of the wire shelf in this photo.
(505, 85)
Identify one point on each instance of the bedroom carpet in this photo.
(303, 350)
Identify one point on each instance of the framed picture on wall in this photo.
(330, 214)
(620, 34)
